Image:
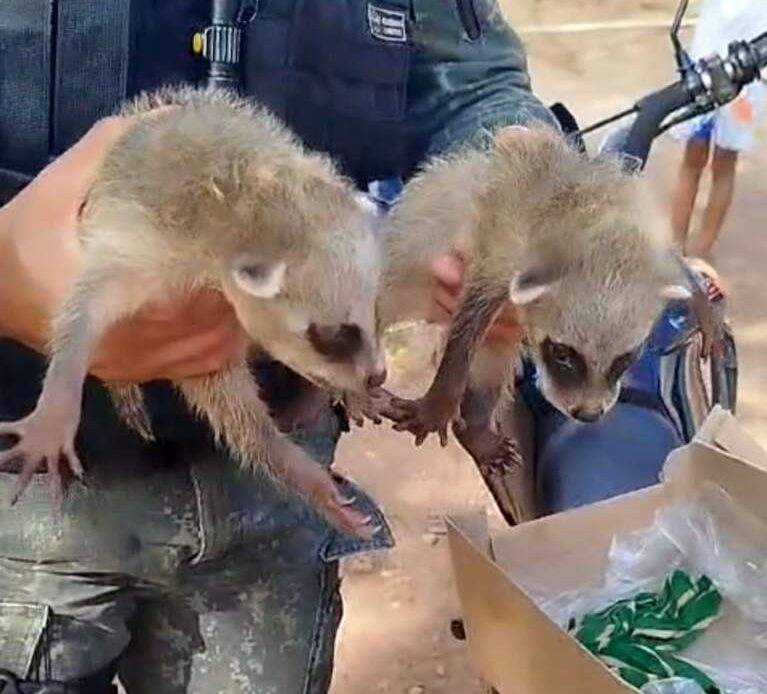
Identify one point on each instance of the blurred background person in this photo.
(716, 139)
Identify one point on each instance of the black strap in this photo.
(569, 124)
(92, 55)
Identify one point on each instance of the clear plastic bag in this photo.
(719, 538)
(673, 686)
(708, 534)
(681, 686)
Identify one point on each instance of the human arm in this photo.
(40, 259)
(449, 274)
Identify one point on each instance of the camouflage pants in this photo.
(195, 579)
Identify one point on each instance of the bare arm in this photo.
(40, 261)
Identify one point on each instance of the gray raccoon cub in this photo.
(207, 190)
(573, 242)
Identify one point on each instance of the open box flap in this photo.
(722, 430)
(516, 648)
(688, 468)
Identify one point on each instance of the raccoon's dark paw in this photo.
(373, 407)
(493, 453)
(43, 441)
(503, 458)
(423, 417)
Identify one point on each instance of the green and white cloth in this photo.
(638, 637)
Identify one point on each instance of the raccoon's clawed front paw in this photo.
(372, 406)
(493, 453)
(502, 459)
(423, 417)
(317, 485)
(42, 441)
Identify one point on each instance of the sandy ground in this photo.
(395, 636)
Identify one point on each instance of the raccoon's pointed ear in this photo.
(675, 292)
(530, 285)
(259, 278)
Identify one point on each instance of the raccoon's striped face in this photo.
(576, 384)
(316, 310)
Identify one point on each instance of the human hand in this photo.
(448, 272)
(40, 259)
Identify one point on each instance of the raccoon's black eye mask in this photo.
(620, 366)
(568, 368)
(336, 342)
(565, 365)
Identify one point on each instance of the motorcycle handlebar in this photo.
(711, 82)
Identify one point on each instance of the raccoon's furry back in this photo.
(532, 197)
(214, 100)
(198, 161)
(187, 96)
(437, 211)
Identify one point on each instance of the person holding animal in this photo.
(173, 568)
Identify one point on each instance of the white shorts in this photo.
(732, 127)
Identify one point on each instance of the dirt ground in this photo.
(395, 635)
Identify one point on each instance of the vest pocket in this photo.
(364, 46)
(22, 627)
(337, 73)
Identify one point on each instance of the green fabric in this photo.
(638, 637)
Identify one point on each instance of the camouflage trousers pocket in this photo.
(23, 627)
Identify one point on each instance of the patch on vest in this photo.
(387, 25)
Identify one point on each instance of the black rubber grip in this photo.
(653, 111)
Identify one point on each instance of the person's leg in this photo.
(581, 464)
(696, 155)
(68, 584)
(723, 167)
(245, 624)
(68, 581)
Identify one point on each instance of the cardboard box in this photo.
(516, 647)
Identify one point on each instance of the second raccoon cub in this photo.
(206, 190)
(572, 241)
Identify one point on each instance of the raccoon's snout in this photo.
(376, 379)
(588, 415)
(370, 376)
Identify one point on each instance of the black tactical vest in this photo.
(336, 72)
